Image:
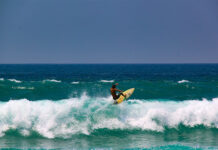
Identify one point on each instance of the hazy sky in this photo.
(108, 31)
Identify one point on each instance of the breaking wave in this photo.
(85, 115)
(183, 81)
(51, 80)
(75, 82)
(23, 88)
(107, 81)
(14, 80)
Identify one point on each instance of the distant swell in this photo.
(85, 115)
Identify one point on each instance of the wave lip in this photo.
(52, 80)
(14, 80)
(183, 81)
(107, 81)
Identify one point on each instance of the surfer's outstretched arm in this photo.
(118, 90)
(122, 94)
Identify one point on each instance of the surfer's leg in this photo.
(118, 96)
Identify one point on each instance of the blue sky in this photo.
(108, 31)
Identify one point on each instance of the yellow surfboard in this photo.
(128, 93)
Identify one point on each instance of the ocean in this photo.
(68, 106)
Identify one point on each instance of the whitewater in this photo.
(85, 115)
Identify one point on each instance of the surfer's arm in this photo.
(118, 90)
(121, 92)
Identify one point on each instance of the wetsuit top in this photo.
(113, 93)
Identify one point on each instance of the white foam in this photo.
(183, 81)
(23, 88)
(51, 80)
(2, 79)
(84, 115)
(14, 80)
(106, 81)
(75, 82)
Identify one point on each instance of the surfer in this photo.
(113, 92)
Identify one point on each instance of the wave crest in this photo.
(51, 80)
(183, 81)
(75, 82)
(23, 88)
(14, 80)
(107, 81)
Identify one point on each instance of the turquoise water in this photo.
(70, 107)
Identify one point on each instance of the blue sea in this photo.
(68, 106)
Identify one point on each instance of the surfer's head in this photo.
(114, 85)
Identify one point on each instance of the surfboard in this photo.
(128, 93)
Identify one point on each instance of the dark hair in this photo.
(113, 86)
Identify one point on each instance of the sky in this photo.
(108, 31)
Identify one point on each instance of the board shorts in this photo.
(118, 96)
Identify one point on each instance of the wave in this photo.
(75, 82)
(51, 80)
(14, 80)
(2, 79)
(86, 115)
(106, 81)
(183, 81)
(23, 88)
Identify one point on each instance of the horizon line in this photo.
(102, 63)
